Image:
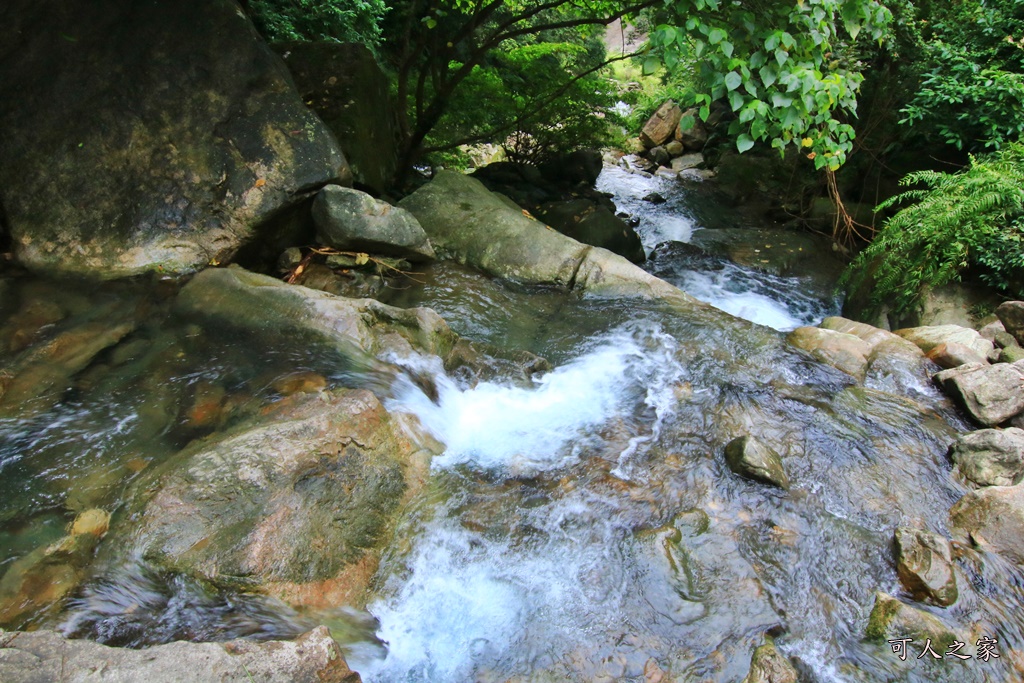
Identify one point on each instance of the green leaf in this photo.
(651, 65)
(733, 80)
(727, 48)
(768, 73)
(716, 36)
(687, 122)
(735, 100)
(744, 142)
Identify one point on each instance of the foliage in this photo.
(972, 73)
(344, 21)
(470, 71)
(973, 220)
(789, 70)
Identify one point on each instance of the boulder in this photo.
(659, 156)
(928, 337)
(469, 224)
(345, 86)
(1010, 354)
(991, 394)
(695, 136)
(872, 335)
(891, 618)
(994, 517)
(840, 350)
(687, 161)
(748, 457)
(674, 148)
(40, 656)
(296, 504)
(990, 457)
(358, 329)
(148, 137)
(350, 220)
(952, 355)
(924, 563)
(589, 223)
(1011, 315)
(768, 665)
(661, 126)
(990, 331)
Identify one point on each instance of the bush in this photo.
(343, 21)
(959, 222)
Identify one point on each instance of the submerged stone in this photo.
(891, 618)
(924, 563)
(748, 457)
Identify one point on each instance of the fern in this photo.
(971, 220)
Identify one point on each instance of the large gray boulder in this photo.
(347, 89)
(358, 329)
(992, 517)
(991, 394)
(469, 224)
(45, 656)
(990, 457)
(351, 220)
(156, 136)
(924, 563)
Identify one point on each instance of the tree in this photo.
(437, 48)
(789, 70)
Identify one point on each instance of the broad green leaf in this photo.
(651, 65)
(733, 80)
(735, 100)
(744, 142)
(727, 48)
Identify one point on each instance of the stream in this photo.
(582, 526)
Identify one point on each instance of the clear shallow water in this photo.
(581, 526)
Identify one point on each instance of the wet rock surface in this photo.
(992, 517)
(990, 457)
(46, 656)
(750, 458)
(924, 563)
(768, 665)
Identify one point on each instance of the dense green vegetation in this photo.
(533, 76)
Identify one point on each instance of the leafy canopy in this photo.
(789, 70)
(972, 220)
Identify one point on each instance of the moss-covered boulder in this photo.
(147, 136)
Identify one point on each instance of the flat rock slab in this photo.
(48, 657)
(991, 394)
(990, 457)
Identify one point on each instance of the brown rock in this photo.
(94, 522)
(842, 351)
(952, 354)
(299, 383)
(991, 394)
(662, 125)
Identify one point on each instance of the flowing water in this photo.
(582, 526)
